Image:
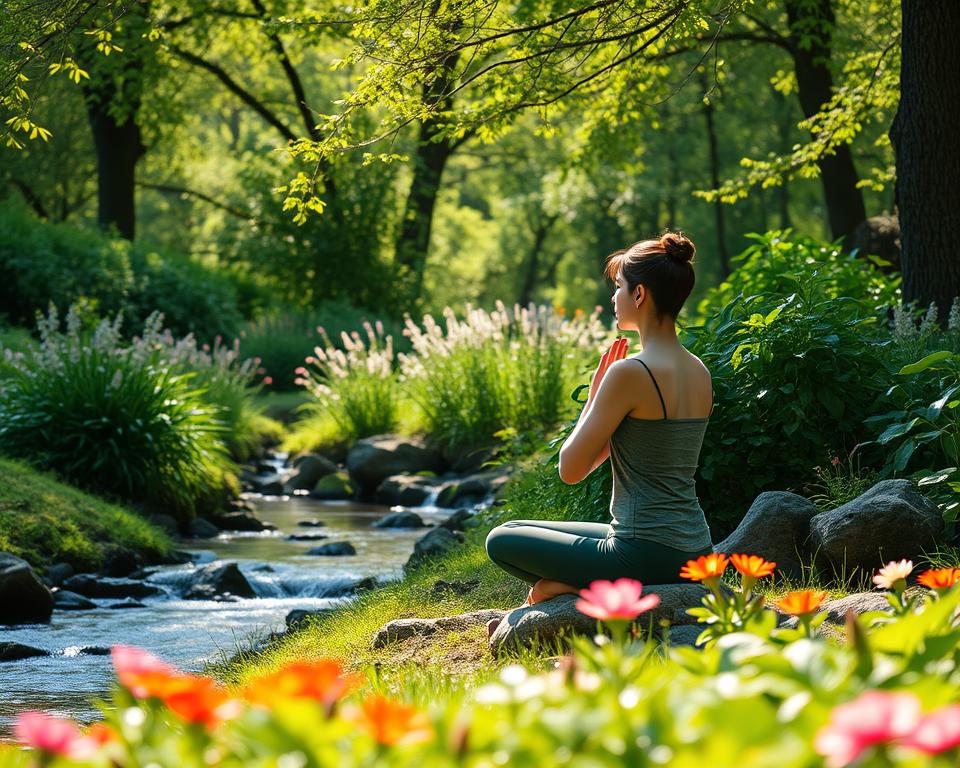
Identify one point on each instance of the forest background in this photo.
(508, 165)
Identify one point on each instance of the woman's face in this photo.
(624, 304)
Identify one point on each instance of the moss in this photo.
(44, 521)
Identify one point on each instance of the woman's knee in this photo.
(500, 539)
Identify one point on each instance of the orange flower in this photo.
(561, 310)
(390, 722)
(802, 602)
(752, 565)
(139, 671)
(322, 680)
(101, 733)
(939, 578)
(197, 699)
(705, 567)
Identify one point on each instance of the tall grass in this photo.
(354, 386)
(491, 371)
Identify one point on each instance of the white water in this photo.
(190, 633)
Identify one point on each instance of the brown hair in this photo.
(664, 266)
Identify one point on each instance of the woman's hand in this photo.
(617, 351)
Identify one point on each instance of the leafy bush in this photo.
(43, 263)
(118, 419)
(497, 370)
(792, 377)
(780, 258)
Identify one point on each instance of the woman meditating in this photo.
(648, 415)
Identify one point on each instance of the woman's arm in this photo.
(588, 445)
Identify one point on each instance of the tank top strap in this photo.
(659, 394)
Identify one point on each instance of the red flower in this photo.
(141, 672)
(872, 718)
(53, 735)
(936, 732)
(615, 600)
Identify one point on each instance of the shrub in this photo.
(791, 377)
(43, 263)
(115, 418)
(496, 370)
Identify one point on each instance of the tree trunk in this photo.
(708, 110)
(532, 275)
(927, 152)
(811, 25)
(118, 148)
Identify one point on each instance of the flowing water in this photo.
(190, 633)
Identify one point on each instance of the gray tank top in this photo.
(654, 494)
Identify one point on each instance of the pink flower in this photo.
(835, 460)
(138, 670)
(268, 380)
(937, 731)
(872, 718)
(615, 600)
(54, 735)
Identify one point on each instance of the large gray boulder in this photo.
(406, 490)
(65, 600)
(403, 629)
(556, 619)
(776, 527)
(438, 541)
(335, 487)
(890, 521)
(217, 580)
(23, 597)
(18, 651)
(373, 459)
(309, 469)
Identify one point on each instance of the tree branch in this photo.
(245, 96)
(175, 190)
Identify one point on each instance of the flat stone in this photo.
(17, 651)
(203, 529)
(65, 600)
(333, 548)
(457, 521)
(402, 629)
(311, 523)
(558, 618)
(124, 604)
(307, 536)
(90, 585)
(400, 520)
(239, 521)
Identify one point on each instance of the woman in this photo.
(648, 415)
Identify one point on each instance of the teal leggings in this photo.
(577, 553)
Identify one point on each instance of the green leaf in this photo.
(903, 454)
(926, 362)
(896, 430)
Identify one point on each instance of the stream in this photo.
(191, 633)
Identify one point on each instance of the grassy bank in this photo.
(45, 521)
(347, 632)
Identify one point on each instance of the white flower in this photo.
(892, 572)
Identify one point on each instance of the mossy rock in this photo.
(333, 487)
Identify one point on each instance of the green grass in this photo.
(44, 521)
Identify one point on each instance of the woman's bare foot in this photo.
(545, 589)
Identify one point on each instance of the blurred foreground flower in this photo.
(392, 723)
(939, 579)
(53, 735)
(873, 718)
(192, 698)
(322, 680)
(894, 575)
(615, 600)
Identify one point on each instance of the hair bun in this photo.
(678, 246)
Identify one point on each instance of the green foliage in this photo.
(44, 522)
(42, 263)
(119, 419)
(498, 370)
